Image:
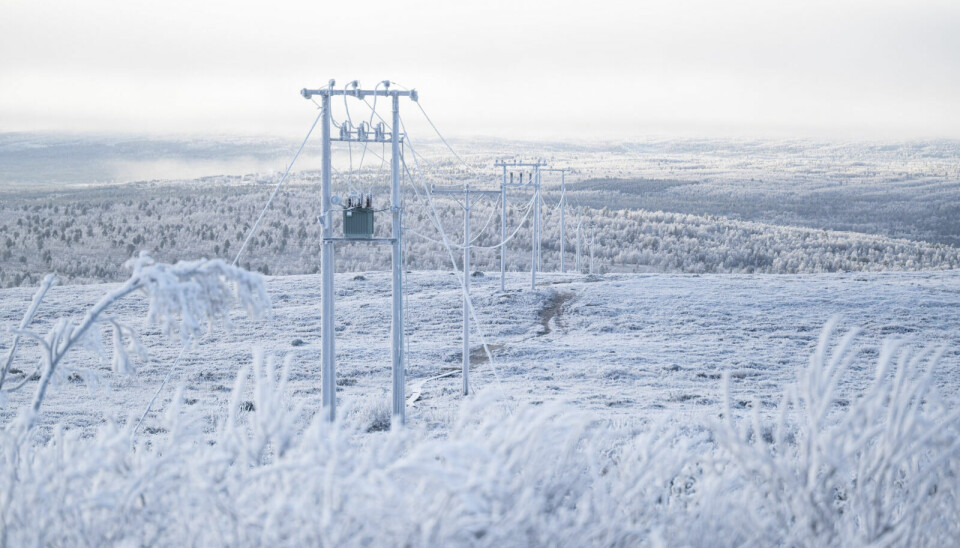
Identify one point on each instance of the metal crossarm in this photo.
(360, 240)
(330, 91)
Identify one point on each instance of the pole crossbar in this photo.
(518, 163)
(491, 192)
(357, 140)
(360, 240)
(359, 93)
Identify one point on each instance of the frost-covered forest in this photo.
(902, 190)
(771, 208)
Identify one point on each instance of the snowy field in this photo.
(635, 348)
(610, 424)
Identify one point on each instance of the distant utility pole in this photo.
(532, 181)
(360, 134)
(466, 192)
(563, 208)
(579, 238)
(536, 221)
(593, 240)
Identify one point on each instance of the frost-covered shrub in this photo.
(878, 470)
(369, 414)
(186, 298)
(542, 476)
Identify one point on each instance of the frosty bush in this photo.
(879, 470)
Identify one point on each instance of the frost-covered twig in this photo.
(187, 297)
(45, 286)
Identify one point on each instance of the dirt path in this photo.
(553, 308)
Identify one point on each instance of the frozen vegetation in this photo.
(680, 395)
(690, 206)
(634, 409)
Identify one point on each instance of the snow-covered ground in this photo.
(633, 348)
(609, 424)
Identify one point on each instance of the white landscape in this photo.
(620, 274)
(724, 377)
(625, 412)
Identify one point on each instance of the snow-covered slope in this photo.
(648, 450)
(629, 347)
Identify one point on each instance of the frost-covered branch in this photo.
(45, 286)
(188, 298)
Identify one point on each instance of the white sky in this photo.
(560, 70)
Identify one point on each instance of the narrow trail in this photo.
(553, 310)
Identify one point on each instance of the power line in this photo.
(275, 190)
(459, 275)
(493, 211)
(425, 115)
(236, 259)
(527, 209)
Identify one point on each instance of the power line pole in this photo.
(328, 372)
(593, 240)
(534, 181)
(396, 325)
(537, 239)
(350, 134)
(503, 231)
(466, 290)
(563, 209)
(466, 192)
(563, 221)
(579, 238)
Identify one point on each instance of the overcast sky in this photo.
(585, 69)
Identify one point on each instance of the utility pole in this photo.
(563, 221)
(466, 290)
(534, 181)
(359, 134)
(563, 209)
(503, 231)
(466, 192)
(579, 238)
(593, 240)
(537, 240)
(398, 373)
(328, 388)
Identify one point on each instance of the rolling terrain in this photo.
(624, 346)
